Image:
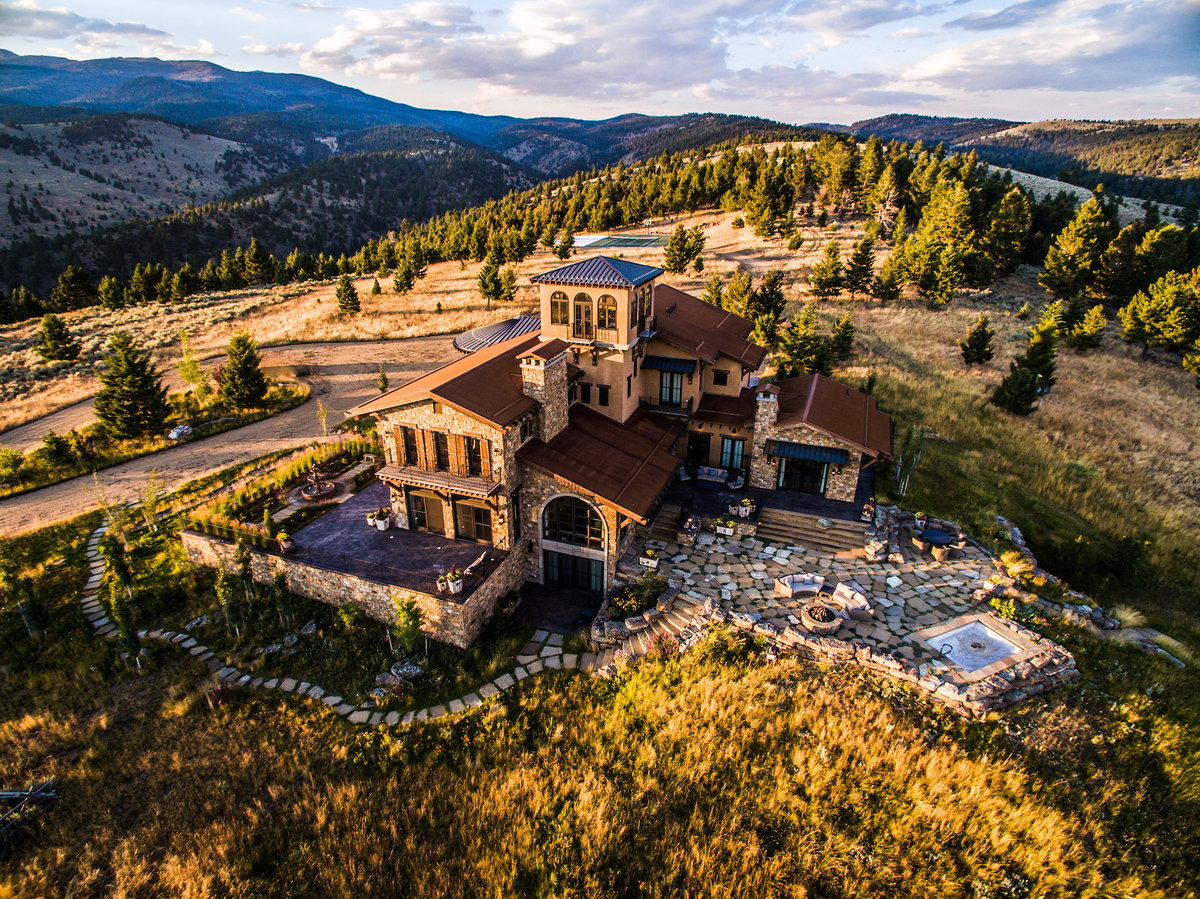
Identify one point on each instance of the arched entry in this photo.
(573, 544)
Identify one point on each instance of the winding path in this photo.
(340, 374)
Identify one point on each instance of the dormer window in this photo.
(720, 377)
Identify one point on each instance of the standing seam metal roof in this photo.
(599, 271)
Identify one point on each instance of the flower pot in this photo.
(725, 532)
(744, 511)
(652, 564)
(382, 523)
(454, 586)
(735, 508)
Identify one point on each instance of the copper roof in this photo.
(627, 465)
(694, 326)
(599, 271)
(485, 384)
(735, 411)
(489, 335)
(837, 410)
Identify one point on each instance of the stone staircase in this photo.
(799, 529)
(678, 622)
(666, 523)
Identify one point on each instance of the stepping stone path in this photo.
(545, 650)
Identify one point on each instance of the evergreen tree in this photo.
(132, 402)
(405, 278)
(947, 274)
(489, 279)
(259, 265)
(900, 227)
(382, 380)
(768, 298)
(841, 340)
(1007, 231)
(714, 291)
(1018, 392)
(1089, 333)
(508, 285)
(243, 384)
(739, 294)
(54, 340)
(190, 370)
(74, 290)
(886, 286)
(1040, 356)
(766, 330)
(347, 296)
(677, 254)
(801, 349)
(1074, 259)
(376, 290)
(565, 247)
(976, 346)
(1167, 314)
(860, 268)
(110, 293)
(825, 279)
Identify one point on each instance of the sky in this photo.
(793, 61)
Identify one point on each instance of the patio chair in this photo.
(736, 483)
(683, 474)
(799, 584)
(854, 602)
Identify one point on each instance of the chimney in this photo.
(544, 380)
(766, 407)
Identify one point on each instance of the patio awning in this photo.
(439, 480)
(669, 363)
(807, 451)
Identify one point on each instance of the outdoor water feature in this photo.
(318, 488)
(977, 645)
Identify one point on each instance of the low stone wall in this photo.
(447, 619)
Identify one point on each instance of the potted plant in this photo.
(454, 580)
(371, 519)
(725, 526)
(649, 559)
(868, 512)
(920, 521)
(382, 519)
(745, 508)
(286, 543)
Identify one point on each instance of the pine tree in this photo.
(677, 254)
(110, 293)
(74, 290)
(382, 380)
(54, 340)
(768, 298)
(489, 279)
(1073, 260)
(947, 274)
(1018, 392)
(825, 279)
(1089, 333)
(258, 264)
(190, 370)
(1007, 231)
(714, 291)
(900, 227)
(976, 346)
(508, 286)
(738, 294)
(376, 290)
(347, 296)
(801, 349)
(1040, 356)
(242, 382)
(405, 279)
(132, 402)
(565, 247)
(886, 286)
(860, 268)
(841, 340)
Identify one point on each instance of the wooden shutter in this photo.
(398, 438)
(458, 454)
(425, 451)
(485, 458)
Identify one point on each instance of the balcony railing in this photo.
(582, 331)
(658, 404)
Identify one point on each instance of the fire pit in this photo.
(820, 619)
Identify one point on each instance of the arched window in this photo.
(568, 519)
(559, 309)
(583, 317)
(606, 313)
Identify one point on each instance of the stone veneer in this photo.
(545, 382)
(842, 480)
(449, 619)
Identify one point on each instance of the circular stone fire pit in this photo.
(820, 619)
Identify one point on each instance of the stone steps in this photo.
(800, 529)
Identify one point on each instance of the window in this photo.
(585, 394)
(583, 317)
(602, 390)
(720, 377)
(731, 452)
(441, 451)
(474, 456)
(569, 519)
(416, 512)
(528, 426)
(559, 308)
(474, 523)
(410, 446)
(628, 385)
(606, 313)
(670, 388)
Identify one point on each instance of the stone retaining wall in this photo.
(447, 619)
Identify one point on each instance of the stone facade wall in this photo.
(841, 481)
(446, 620)
(546, 384)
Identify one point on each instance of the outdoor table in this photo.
(935, 537)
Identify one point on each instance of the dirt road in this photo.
(340, 374)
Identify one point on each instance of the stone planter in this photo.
(454, 586)
(725, 532)
(371, 520)
(735, 508)
(646, 562)
(383, 523)
(811, 615)
(744, 511)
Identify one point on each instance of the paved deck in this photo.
(708, 502)
(340, 540)
(556, 609)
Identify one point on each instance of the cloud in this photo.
(800, 86)
(283, 51)
(1073, 45)
(26, 18)
(247, 13)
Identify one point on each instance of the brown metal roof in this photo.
(547, 349)
(485, 384)
(694, 326)
(837, 410)
(627, 465)
(736, 411)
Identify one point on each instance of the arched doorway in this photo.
(573, 544)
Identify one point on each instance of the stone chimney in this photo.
(544, 380)
(763, 470)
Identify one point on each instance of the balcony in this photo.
(657, 404)
(583, 331)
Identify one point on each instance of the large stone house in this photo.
(559, 443)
